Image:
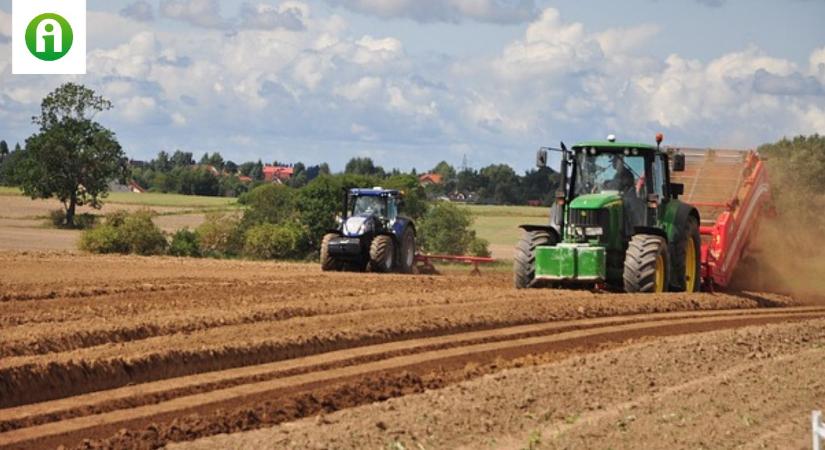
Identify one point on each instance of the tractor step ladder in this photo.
(730, 189)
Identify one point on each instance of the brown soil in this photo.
(174, 349)
(749, 388)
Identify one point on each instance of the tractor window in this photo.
(369, 205)
(608, 172)
(392, 209)
(659, 177)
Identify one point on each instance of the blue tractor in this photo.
(371, 234)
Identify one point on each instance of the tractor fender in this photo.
(651, 231)
(400, 226)
(548, 228)
(675, 219)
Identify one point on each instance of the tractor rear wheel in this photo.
(687, 270)
(382, 254)
(524, 263)
(646, 264)
(407, 257)
(328, 263)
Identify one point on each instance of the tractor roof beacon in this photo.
(371, 235)
(617, 223)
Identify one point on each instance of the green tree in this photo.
(182, 159)
(72, 157)
(446, 171)
(162, 163)
(257, 172)
(446, 228)
(363, 166)
(269, 203)
(4, 149)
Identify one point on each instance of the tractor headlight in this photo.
(594, 231)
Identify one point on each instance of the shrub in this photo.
(480, 247)
(142, 235)
(269, 241)
(445, 228)
(220, 235)
(274, 204)
(84, 221)
(103, 239)
(185, 243)
(125, 233)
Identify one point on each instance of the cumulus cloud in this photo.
(269, 91)
(5, 27)
(454, 11)
(202, 13)
(794, 84)
(290, 16)
(141, 11)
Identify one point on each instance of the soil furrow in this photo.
(241, 407)
(97, 403)
(47, 377)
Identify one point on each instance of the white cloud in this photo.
(289, 94)
(288, 15)
(202, 13)
(493, 11)
(141, 11)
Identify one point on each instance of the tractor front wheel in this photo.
(646, 264)
(524, 263)
(328, 263)
(382, 254)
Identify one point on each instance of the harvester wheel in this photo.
(524, 263)
(382, 254)
(407, 257)
(646, 264)
(687, 265)
(328, 263)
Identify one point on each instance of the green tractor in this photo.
(617, 223)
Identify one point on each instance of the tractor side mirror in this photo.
(677, 190)
(679, 162)
(541, 159)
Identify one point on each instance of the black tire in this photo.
(524, 262)
(328, 263)
(406, 260)
(641, 264)
(679, 279)
(382, 254)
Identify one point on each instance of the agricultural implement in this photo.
(629, 217)
(731, 191)
(371, 234)
(425, 262)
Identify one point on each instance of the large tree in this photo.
(72, 157)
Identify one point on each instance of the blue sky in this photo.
(413, 82)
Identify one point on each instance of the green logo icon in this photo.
(49, 37)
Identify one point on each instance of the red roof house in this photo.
(278, 173)
(429, 178)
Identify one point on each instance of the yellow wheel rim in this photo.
(660, 274)
(690, 265)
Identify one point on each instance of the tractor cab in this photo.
(615, 202)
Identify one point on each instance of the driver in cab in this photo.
(623, 180)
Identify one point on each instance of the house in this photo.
(277, 173)
(136, 188)
(428, 179)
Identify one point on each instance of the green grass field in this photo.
(499, 225)
(154, 199)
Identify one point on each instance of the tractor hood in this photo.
(359, 225)
(596, 201)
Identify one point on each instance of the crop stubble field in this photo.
(113, 352)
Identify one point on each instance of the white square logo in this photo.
(48, 37)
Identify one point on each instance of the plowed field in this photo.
(115, 352)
